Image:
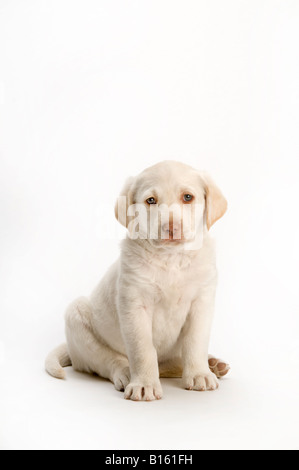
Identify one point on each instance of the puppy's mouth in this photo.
(172, 241)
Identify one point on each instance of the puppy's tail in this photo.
(56, 360)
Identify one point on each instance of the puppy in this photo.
(151, 314)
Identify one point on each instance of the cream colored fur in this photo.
(151, 314)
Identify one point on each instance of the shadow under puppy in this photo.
(151, 314)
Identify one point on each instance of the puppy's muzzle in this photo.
(171, 231)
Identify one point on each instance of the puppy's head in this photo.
(169, 204)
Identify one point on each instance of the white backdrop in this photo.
(92, 92)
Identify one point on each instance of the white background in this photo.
(92, 92)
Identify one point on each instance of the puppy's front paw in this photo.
(143, 392)
(201, 382)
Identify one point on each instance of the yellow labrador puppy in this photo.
(151, 315)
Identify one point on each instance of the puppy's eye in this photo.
(187, 197)
(151, 200)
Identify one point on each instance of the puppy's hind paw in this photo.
(121, 379)
(218, 367)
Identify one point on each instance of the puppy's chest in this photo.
(171, 287)
(172, 295)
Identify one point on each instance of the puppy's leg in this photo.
(136, 324)
(196, 336)
(87, 352)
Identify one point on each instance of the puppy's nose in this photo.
(172, 229)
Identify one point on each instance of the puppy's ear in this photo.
(124, 200)
(216, 204)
